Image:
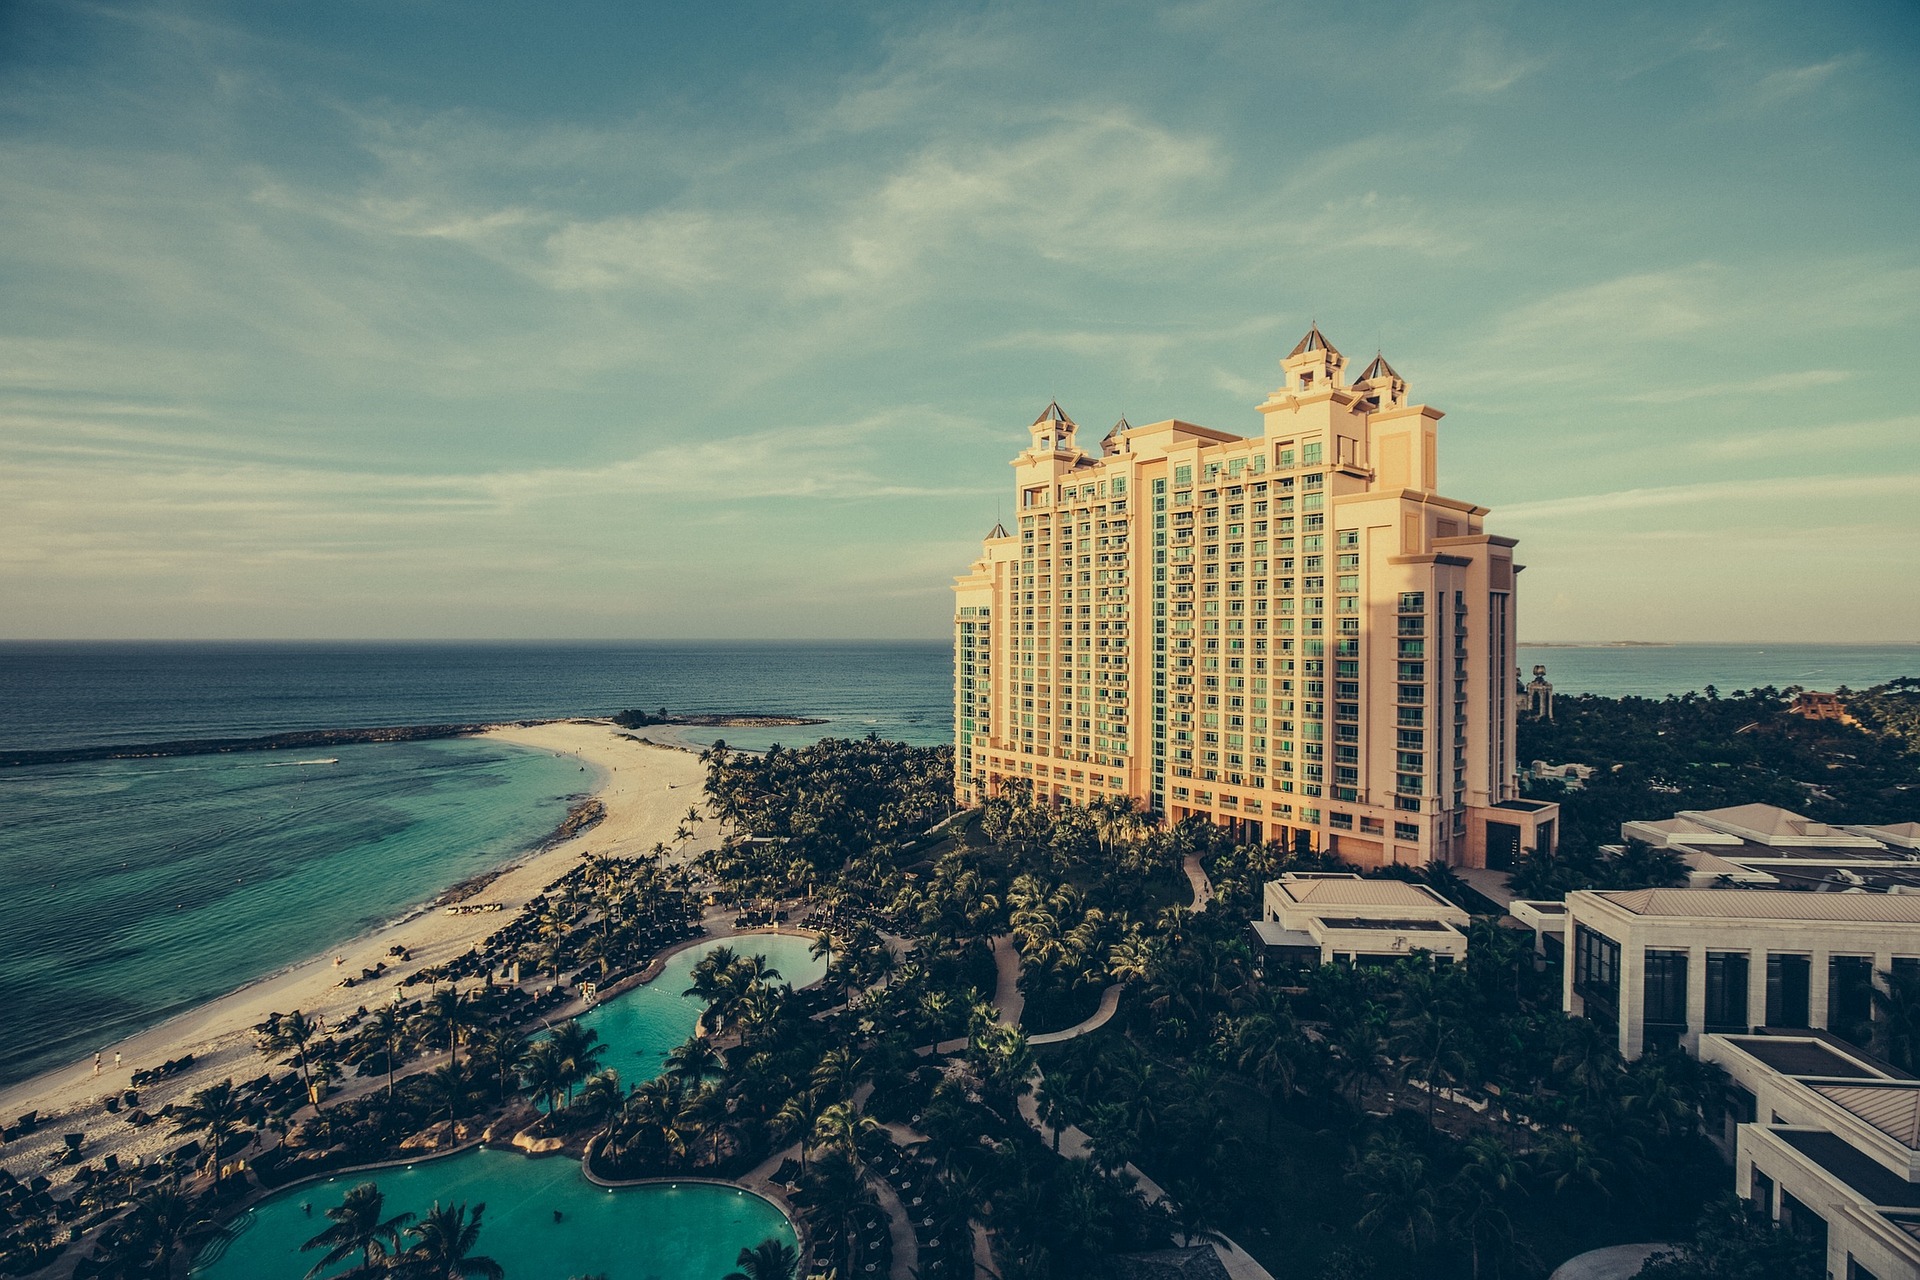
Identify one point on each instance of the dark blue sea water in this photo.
(1656, 671)
(61, 695)
(130, 890)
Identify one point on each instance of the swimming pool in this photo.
(689, 1231)
(685, 1231)
(640, 1027)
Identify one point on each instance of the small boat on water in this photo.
(289, 764)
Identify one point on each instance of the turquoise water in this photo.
(640, 1027)
(693, 1231)
(131, 890)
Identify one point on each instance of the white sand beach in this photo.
(647, 789)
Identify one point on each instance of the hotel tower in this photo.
(1290, 632)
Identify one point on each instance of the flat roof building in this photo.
(1341, 918)
(1665, 966)
(1293, 632)
(1764, 846)
(1827, 1145)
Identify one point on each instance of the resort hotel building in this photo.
(1291, 632)
(1667, 966)
(1826, 1143)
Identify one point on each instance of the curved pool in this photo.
(692, 1231)
(640, 1027)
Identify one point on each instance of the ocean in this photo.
(130, 890)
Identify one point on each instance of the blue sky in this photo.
(611, 320)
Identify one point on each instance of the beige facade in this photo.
(1828, 1145)
(1332, 918)
(1291, 632)
(1673, 964)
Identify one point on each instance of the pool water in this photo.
(693, 1231)
(640, 1027)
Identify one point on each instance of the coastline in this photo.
(645, 789)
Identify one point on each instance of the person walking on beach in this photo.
(96, 1064)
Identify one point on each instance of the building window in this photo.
(1803, 1222)
(1596, 973)
(1787, 988)
(1850, 997)
(1727, 991)
(1666, 996)
(1761, 1195)
(1857, 1272)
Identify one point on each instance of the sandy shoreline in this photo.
(646, 788)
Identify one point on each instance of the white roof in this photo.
(1355, 892)
(1763, 904)
(1772, 825)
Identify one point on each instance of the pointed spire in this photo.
(1378, 369)
(998, 531)
(1314, 341)
(1119, 428)
(1054, 413)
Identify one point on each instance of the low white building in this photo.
(1572, 776)
(1769, 847)
(1827, 1144)
(1666, 965)
(1338, 917)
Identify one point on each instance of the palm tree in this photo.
(771, 1259)
(295, 1031)
(601, 1095)
(443, 1246)
(1479, 1195)
(358, 1228)
(216, 1111)
(845, 1128)
(145, 1242)
(800, 1114)
(443, 1016)
(504, 1047)
(579, 1052)
(694, 1060)
(545, 1072)
(1395, 1193)
(384, 1034)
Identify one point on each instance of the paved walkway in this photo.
(906, 1246)
(1109, 1001)
(1202, 887)
(1074, 1143)
(1616, 1262)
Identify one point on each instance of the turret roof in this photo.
(1314, 341)
(1119, 427)
(1054, 413)
(1379, 368)
(998, 531)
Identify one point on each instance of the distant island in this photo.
(634, 718)
(307, 739)
(1596, 644)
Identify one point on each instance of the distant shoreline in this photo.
(1599, 644)
(302, 739)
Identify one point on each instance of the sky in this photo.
(414, 319)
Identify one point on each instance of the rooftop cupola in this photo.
(1380, 387)
(1111, 443)
(1313, 364)
(1053, 430)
